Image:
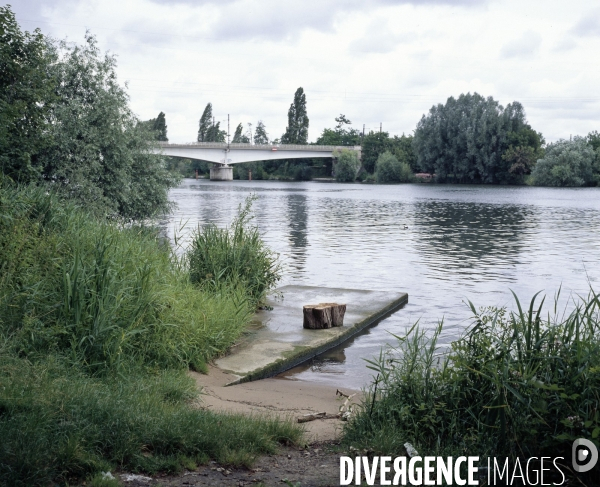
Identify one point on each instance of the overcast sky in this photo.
(377, 62)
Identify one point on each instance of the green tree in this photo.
(260, 134)
(160, 127)
(215, 134)
(347, 166)
(26, 97)
(297, 128)
(239, 137)
(374, 144)
(157, 126)
(565, 163)
(205, 123)
(100, 155)
(340, 135)
(463, 141)
(388, 169)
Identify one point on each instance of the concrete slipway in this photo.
(276, 341)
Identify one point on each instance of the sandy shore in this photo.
(276, 396)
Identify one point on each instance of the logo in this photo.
(585, 455)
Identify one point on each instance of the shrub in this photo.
(235, 256)
(514, 385)
(347, 166)
(388, 169)
(565, 163)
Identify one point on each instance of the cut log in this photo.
(323, 315)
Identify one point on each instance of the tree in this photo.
(157, 126)
(347, 166)
(566, 163)
(464, 140)
(388, 169)
(215, 134)
(206, 122)
(260, 134)
(160, 127)
(374, 144)
(100, 155)
(340, 135)
(26, 97)
(239, 137)
(297, 128)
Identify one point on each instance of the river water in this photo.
(442, 244)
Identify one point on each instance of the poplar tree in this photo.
(260, 134)
(239, 137)
(206, 121)
(297, 128)
(160, 128)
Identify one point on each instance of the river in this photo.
(442, 244)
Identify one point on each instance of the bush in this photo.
(103, 294)
(234, 256)
(347, 166)
(566, 163)
(388, 169)
(514, 385)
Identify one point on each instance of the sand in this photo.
(282, 397)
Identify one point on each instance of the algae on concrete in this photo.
(282, 343)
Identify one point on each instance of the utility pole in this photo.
(380, 127)
(363, 136)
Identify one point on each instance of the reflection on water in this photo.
(441, 244)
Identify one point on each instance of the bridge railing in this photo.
(224, 145)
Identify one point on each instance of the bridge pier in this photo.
(221, 173)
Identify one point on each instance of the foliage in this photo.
(66, 122)
(26, 97)
(104, 295)
(515, 384)
(388, 169)
(296, 131)
(464, 140)
(235, 256)
(260, 134)
(373, 145)
(158, 126)
(239, 137)
(340, 135)
(347, 166)
(205, 123)
(99, 154)
(566, 163)
(59, 424)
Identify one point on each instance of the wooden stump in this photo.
(323, 315)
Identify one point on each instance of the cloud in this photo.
(379, 38)
(526, 46)
(588, 25)
(277, 20)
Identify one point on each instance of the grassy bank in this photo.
(98, 323)
(517, 384)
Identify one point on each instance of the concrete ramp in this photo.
(276, 341)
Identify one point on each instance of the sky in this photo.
(379, 62)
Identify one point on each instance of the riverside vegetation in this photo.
(515, 385)
(98, 323)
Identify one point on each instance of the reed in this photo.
(516, 384)
(235, 256)
(104, 294)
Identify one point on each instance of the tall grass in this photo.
(236, 256)
(103, 294)
(98, 324)
(517, 384)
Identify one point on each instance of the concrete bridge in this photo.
(223, 155)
